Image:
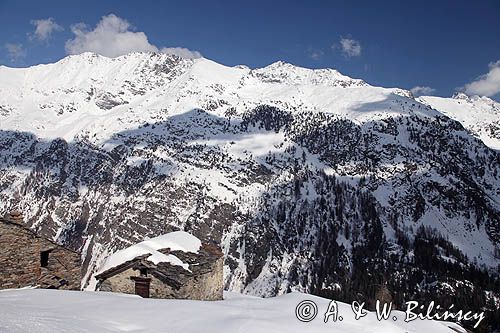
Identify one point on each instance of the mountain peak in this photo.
(84, 55)
(92, 57)
(276, 164)
(283, 72)
(474, 98)
(461, 95)
(283, 65)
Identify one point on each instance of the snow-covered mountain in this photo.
(479, 115)
(311, 181)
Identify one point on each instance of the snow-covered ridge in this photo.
(479, 114)
(288, 171)
(92, 95)
(282, 72)
(175, 241)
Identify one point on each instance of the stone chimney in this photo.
(15, 216)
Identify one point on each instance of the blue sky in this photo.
(443, 45)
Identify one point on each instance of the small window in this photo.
(44, 258)
(144, 271)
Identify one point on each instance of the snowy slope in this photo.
(480, 115)
(304, 177)
(92, 94)
(89, 93)
(59, 311)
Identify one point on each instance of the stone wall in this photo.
(20, 261)
(120, 283)
(207, 286)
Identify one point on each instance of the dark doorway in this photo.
(44, 258)
(142, 286)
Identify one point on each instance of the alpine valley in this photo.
(309, 180)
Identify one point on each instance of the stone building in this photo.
(175, 265)
(27, 259)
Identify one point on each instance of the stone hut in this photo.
(175, 265)
(27, 259)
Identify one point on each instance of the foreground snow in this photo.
(36, 310)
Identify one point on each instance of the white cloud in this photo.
(315, 54)
(181, 52)
(15, 51)
(487, 84)
(422, 90)
(350, 47)
(113, 37)
(44, 29)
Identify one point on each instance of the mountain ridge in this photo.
(289, 75)
(309, 183)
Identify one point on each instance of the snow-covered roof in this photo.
(175, 241)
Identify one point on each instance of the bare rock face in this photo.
(29, 260)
